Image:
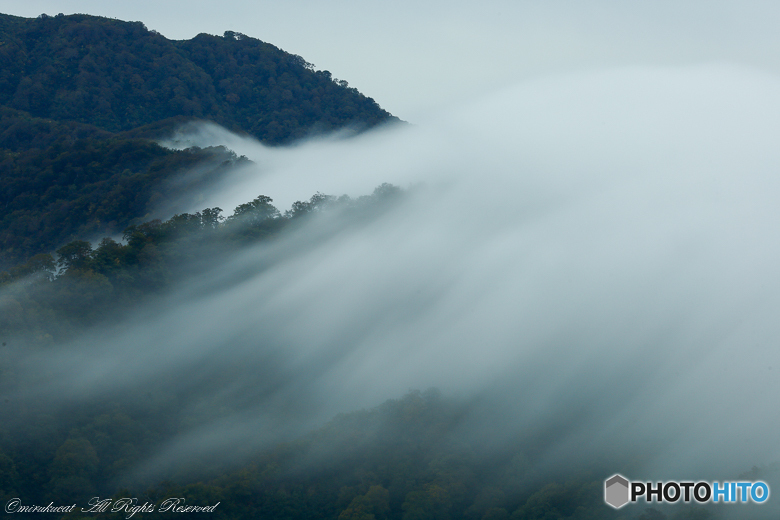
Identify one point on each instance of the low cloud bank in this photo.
(594, 256)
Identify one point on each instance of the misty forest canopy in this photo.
(401, 460)
(80, 97)
(51, 298)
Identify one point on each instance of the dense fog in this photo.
(587, 259)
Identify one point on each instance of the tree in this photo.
(374, 505)
(430, 503)
(75, 255)
(210, 218)
(318, 202)
(255, 212)
(73, 469)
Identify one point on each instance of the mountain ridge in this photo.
(119, 75)
(76, 90)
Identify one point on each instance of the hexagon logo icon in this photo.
(616, 491)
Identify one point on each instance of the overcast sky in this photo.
(415, 57)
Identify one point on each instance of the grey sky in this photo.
(413, 56)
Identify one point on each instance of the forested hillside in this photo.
(122, 370)
(118, 76)
(89, 187)
(92, 285)
(414, 458)
(81, 97)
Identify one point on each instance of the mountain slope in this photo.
(80, 96)
(89, 187)
(118, 75)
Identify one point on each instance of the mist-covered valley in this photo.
(565, 279)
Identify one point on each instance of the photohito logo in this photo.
(618, 491)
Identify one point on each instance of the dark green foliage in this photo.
(573, 500)
(93, 284)
(367, 466)
(80, 94)
(87, 187)
(75, 255)
(78, 97)
(405, 459)
(397, 461)
(254, 78)
(118, 76)
(20, 131)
